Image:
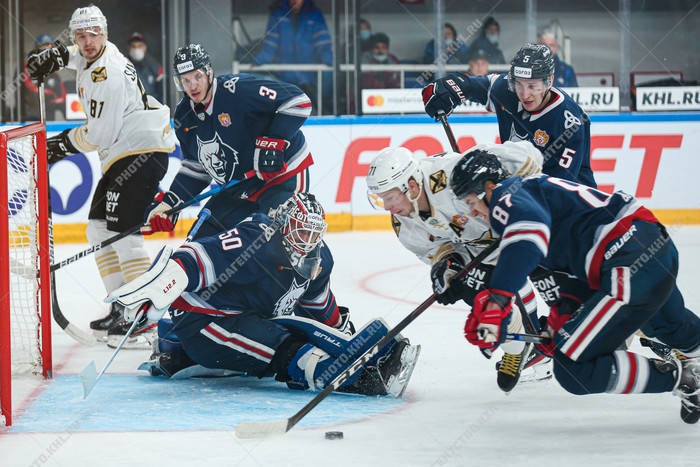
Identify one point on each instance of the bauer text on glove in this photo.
(43, 62)
(444, 94)
(268, 161)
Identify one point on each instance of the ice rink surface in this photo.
(452, 413)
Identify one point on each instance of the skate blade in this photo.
(397, 384)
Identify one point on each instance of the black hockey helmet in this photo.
(532, 61)
(190, 58)
(473, 170)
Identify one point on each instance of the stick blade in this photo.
(252, 430)
(88, 377)
(80, 335)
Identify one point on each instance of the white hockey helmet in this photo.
(88, 18)
(302, 222)
(393, 168)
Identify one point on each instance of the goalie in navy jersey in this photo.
(256, 299)
(528, 108)
(230, 128)
(623, 268)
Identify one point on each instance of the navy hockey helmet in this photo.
(532, 61)
(302, 222)
(473, 170)
(190, 58)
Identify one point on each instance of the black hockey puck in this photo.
(334, 435)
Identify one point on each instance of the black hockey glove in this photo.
(43, 62)
(444, 94)
(345, 324)
(59, 146)
(269, 157)
(441, 274)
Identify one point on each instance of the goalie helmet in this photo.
(190, 58)
(393, 168)
(87, 18)
(302, 223)
(473, 170)
(532, 61)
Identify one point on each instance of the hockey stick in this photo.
(89, 374)
(448, 131)
(534, 338)
(58, 316)
(247, 430)
(137, 228)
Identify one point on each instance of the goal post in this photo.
(25, 243)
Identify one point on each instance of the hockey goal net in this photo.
(25, 301)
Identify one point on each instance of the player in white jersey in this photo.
(426, 222)
(131, 133)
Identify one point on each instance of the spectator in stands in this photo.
(365, 35)
(380, 55)
(54, 90)
(149, 71)
(478, 62)
(455, 51)
(297, 33)
(488, 41)
(564, 75)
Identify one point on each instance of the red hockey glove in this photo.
(269, 162)
(487, 328)
(155, 215)
(444, 94)
(559, 314)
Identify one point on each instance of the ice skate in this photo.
(510, 368)
(101, 326)
(688, 389)
(141, 338)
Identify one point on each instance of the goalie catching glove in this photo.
(156, 219)
(487, 328)
(43, 62)
(443, 95)
(162, 284)
(268, 161)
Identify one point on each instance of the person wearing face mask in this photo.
(454, 52)
(54, 90)
(488, 41)
(379, 55)
(150, 71)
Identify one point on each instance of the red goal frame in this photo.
(38, 130)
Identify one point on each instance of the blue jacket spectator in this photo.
(455, 50)
(297, 33)
(564, 75)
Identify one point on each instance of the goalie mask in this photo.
(190, 58)
(89, 19)
(393, 168)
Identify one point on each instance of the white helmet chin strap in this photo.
(414, 201)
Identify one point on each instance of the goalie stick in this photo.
(137, 228)
(245, 430)
(58, 316)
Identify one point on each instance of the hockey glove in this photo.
(155, 215)
(59, 146)
(268, 162)
(345, 325)
(449, 291)
(444, 94)
(487, 328)
(559, 314)
(43, 62)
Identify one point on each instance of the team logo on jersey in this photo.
(484, 241)
(99, 74)
(287, 302)
(219, 159)
(570, 120)
(225, 119)
(438, 181)
(541, 138)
